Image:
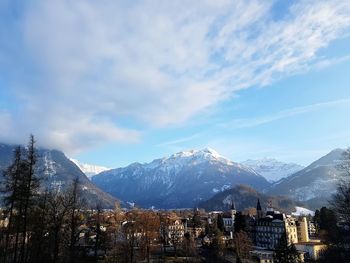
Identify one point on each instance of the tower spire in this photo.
(259, 210)
(233, 207)
(258, 206)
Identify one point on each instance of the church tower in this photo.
(259, 211)
(233, 209)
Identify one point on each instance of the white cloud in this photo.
(80, 62)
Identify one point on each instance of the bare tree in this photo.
(345, 162)
(98, 231)
(57, 212)
(130, 235)
(117, 217)
(75, 203)
(341, 199)
(242, 245)
(149, 224)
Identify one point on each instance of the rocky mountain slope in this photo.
(272, 169)
(179, 181)
(314, 184)
(57, 172)
(246, 197)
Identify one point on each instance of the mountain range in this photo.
(190, 178)
(186, 179)
(180, 181)
(57, 172)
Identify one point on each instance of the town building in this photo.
(175, 229)
(312, 249)
(268, 229)
(311, 228)
(229, 219)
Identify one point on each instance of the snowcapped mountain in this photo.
(57, 172)
(89, 169)
(181, 180)
(314, 184)
(272, 169)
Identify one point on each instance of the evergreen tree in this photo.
(196, 219)
(220, 223)
(13, 179)
(240, 223)
(285, 253)
(218, 245)
(28, 192)
(39, 228)
(317, 219)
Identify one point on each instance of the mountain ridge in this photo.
(314, 184)
(57, 172)
(245, 197)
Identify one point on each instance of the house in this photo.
(263, 256)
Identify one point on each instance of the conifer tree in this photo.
(10, 188)
(28, 191)
(240, 223)
(220, 223)
(285, 253)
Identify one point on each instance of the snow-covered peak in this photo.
(188, 158)
(272, 169)
(211, 151)
(89, 169)
(206, 154)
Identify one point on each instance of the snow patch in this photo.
(215, 190)
(302, 211)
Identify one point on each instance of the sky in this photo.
(114, 82)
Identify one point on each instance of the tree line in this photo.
(39, 224)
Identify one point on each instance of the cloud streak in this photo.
(254, 122)
(77, 67)
(179, 140)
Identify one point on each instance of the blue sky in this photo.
(113, 82)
